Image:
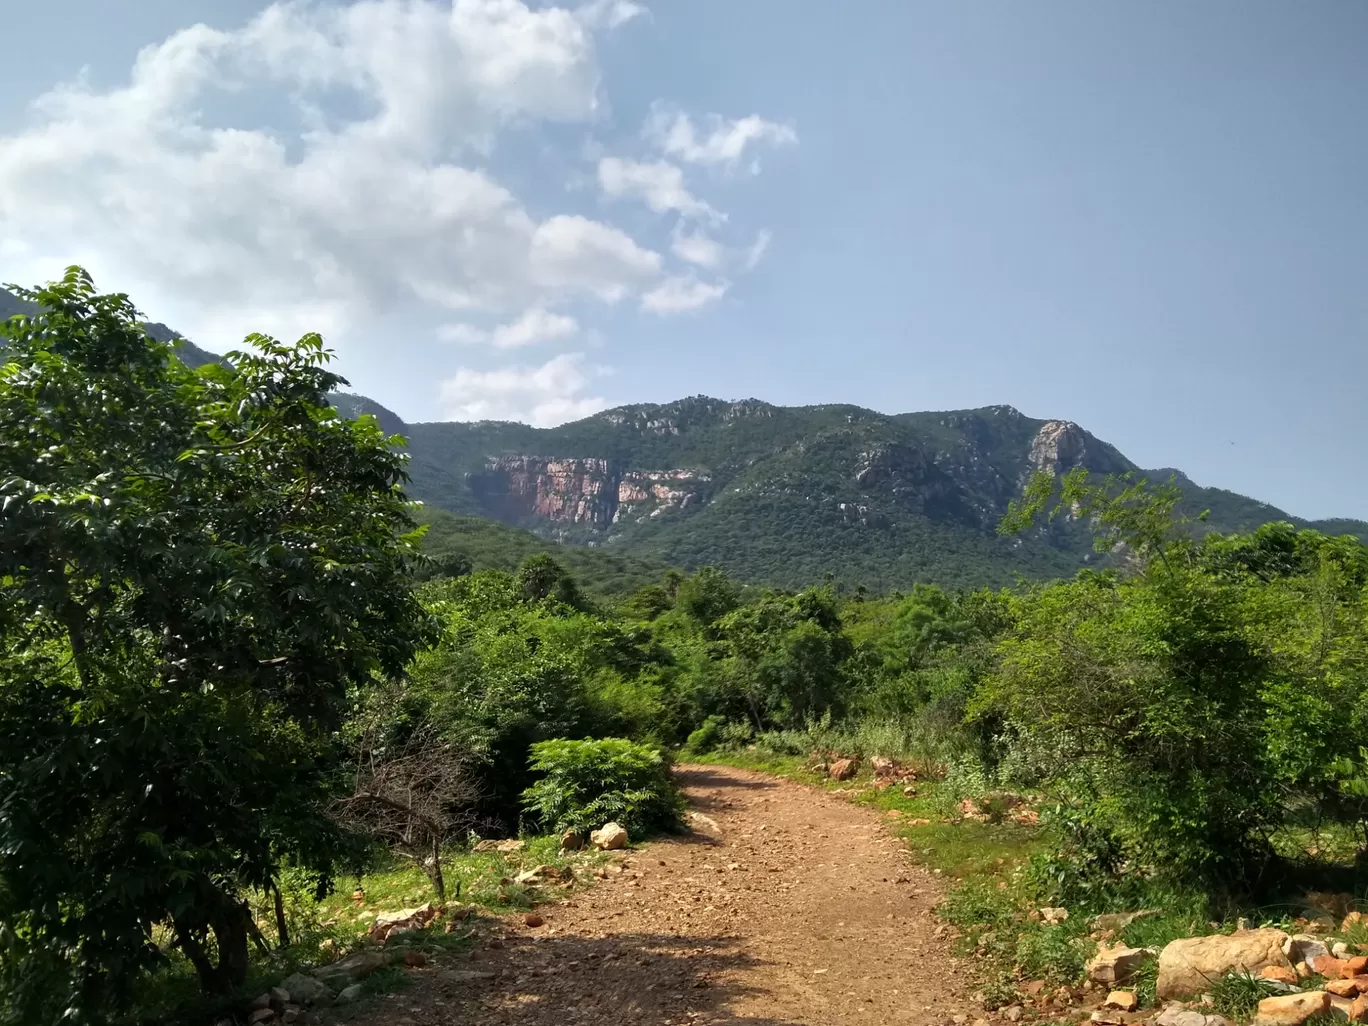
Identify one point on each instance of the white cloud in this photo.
(609, 13)
(756, 252)
(544, 395)
(535, 325)
(660, 185)
(725, 141)
(331, 217)
(698, 248)
(682, 294)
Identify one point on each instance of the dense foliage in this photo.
(227, 665)
(196, 570)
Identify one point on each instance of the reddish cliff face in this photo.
(590, 492)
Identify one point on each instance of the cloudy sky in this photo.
(1148, 218)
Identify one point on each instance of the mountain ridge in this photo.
(777, 494)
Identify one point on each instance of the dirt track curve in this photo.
(784, 906)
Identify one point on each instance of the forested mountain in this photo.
(790, 494)
(773, 494)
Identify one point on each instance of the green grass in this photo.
(322, 931)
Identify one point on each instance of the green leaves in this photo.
(199, 570)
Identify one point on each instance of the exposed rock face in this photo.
(1061, 445)
(591, 492)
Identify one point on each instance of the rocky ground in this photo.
(783, 906)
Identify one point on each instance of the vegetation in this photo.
(232, 679)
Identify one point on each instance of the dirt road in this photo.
(785, 906)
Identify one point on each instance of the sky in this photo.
(1151, 219)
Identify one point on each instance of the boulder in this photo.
(279, 996)
(1358, 1009)
(350, 994)
(1356, 966)
(571, 840)
(1187, 966)
(260, 1015)
(532, 920)
(1054, 916)
(350, 969)
(611, 837)
(1123, 1000)
(1302, 947)
(387, 923)
(415, 959)
(882, 766)
(1116, 965)
(843, 769)
(305, 990)
(503, 847)
(1328, 966)
(1342, 988)
(1177, 1015)
(1291, 1009)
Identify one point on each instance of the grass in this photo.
(322, 931)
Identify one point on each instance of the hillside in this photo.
(790, 494)
(782, 495)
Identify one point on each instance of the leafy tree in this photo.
(540, 577)
(707, 596)
(197, 570)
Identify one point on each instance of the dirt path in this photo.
(786, 906)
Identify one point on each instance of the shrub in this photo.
(589, 783)
(707, 737)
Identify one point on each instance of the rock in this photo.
(504, 847)
(1342, 988)
(1013, 1013)
(571, 841)
(1350, 921)
(1340, 1006)
(290, 1015)
(259, 1002)
(1124, 1000)
(1356, 966)
(1358, 1009)
(1278, 974)
(1291, 1009)
(279, 996)
(415, 959)
(1054, 916)
(350, 969)
(1177, 1015)
(533, 920)
(909, 791)
(1118, 921)
(1187, 966)
(1339, 949)
(611, 837)
(1104, 1017)
(350, 994)
(1328, 966)
(305, 990)
(387, 923)
(261, 1015)
(1302, 947)
(1115, 966)
(882, 766)
(843, 769)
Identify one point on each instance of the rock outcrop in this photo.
(591, 492)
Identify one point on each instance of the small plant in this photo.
(586, 784)
(707, 737)
(1237, 995)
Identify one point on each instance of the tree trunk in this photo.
(282, 928)
(438, 881)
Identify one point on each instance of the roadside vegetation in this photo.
(236, 694)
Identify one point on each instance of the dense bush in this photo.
(586, 784)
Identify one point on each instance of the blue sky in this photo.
(1151, 219)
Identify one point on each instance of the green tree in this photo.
(197, 571)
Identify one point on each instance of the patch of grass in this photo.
(1237, 995)
(322, 931)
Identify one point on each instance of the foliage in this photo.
(197, 572)
(586, 784)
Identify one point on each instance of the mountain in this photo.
(774, 494)
(787, 495)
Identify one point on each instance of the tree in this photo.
(198, 570)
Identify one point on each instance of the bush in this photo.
(590, 783)
(706, 737)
